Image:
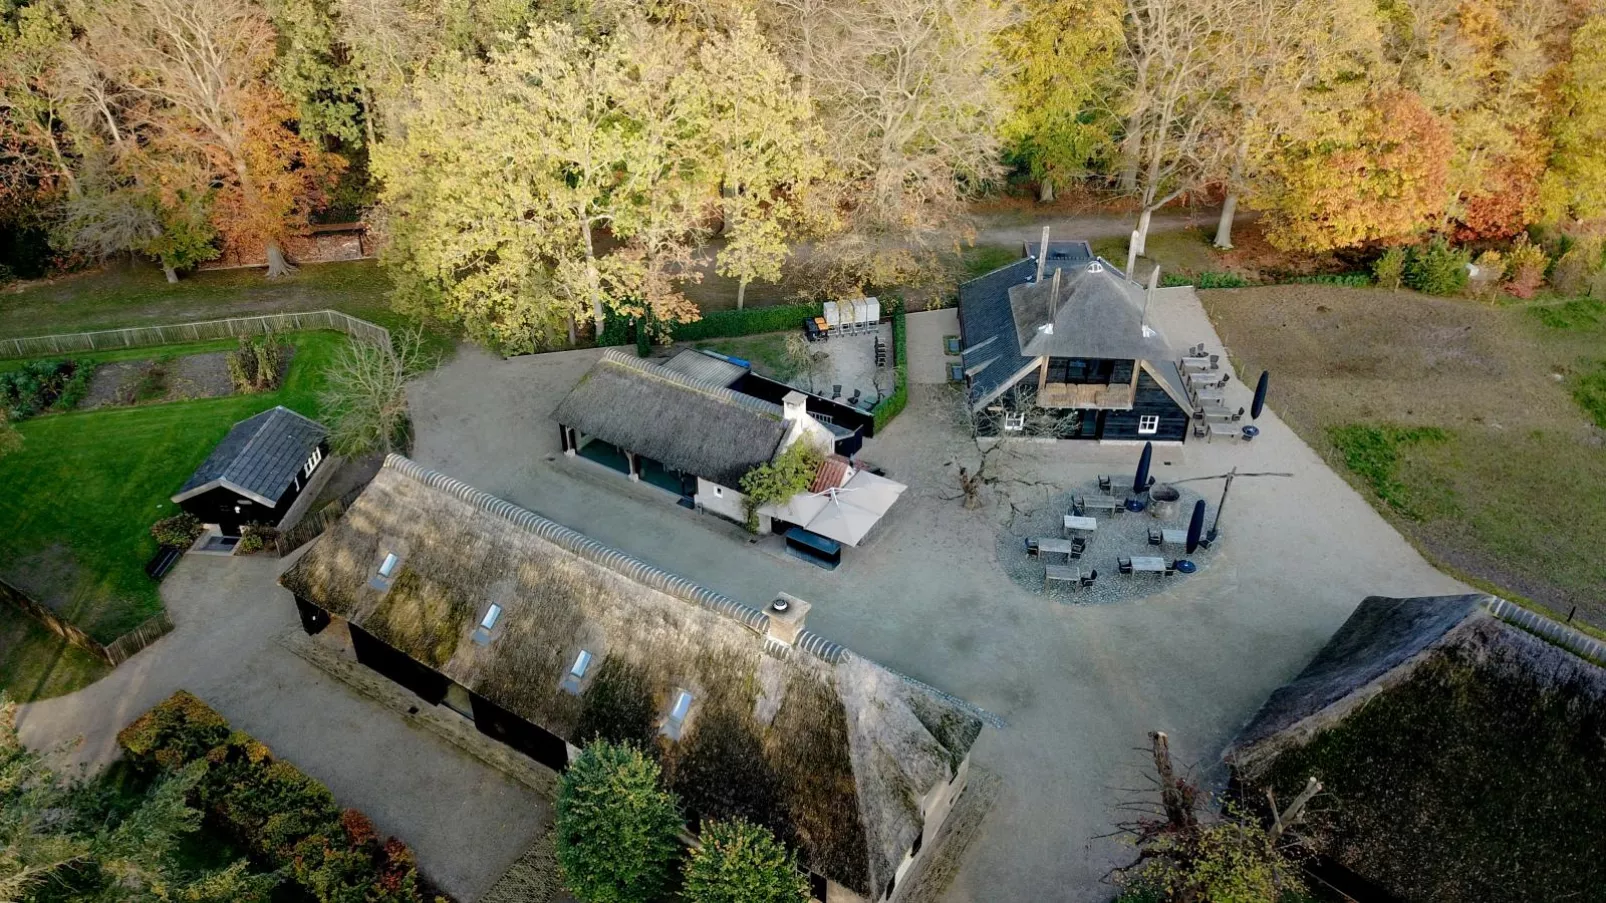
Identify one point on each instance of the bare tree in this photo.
(997, 428)
(1173, 53)
(365, 397)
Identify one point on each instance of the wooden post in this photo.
(1131, 254)
(1042, 255)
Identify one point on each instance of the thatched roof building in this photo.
(838, 755)
(1463, 756)
(689, 424)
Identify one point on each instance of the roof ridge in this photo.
(721, 393)
(584, 547)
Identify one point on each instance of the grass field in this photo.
(37, 664)
(1476, 428)
(79, 497)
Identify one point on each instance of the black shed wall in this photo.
(430, 686)
(1150, 399)
(538, 743)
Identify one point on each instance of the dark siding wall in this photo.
(1122, 372)
(313, 618)
(1151, 399)
(539, 744)
(431, 687)
(840, 414)
(217, 506)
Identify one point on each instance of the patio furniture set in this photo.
(862, 315)
(1072, 543)
(1206, 383)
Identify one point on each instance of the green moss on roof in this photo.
(1480, 777)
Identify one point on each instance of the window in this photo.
(1014, 423)
(1148, 424)
(388, 566)
(577, 673)
(312, 462)
(582, 663)
(676, 722)
(492, 615)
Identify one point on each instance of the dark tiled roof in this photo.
(259, 456)
(991, 353)
(1062, 253)
(685, 423)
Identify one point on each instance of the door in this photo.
(457, 699)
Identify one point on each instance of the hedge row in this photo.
(1233, 280)
(719, 324)
(893, 405)
(282, 817)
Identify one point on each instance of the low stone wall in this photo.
(114, 654)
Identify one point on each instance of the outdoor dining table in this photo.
(1205, 379)
(1215, 394)
(1053, 546)
(1193, 365)
(1077, 522)
(1174, 537)
(1111, 505)
(1153, 564)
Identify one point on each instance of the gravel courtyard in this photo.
(1079, 685)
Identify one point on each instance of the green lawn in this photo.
(80, 496)
(767, 353)
(1478, 429)
(38, 664)
(138, 295)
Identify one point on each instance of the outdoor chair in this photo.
(1155, 536)
(1088, 580)
(1104, 483)
(1124, 565)
(1171, 568)
(836, 391)
(1199, 429)
(1215, 360)
(1031, 548)
(1078, 546)
(855, 399)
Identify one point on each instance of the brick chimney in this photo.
(786, 613)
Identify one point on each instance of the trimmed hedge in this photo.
(281, 816)
(1233, 280)
(893, 405)
(722, 324)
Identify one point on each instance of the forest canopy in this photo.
(537, 166)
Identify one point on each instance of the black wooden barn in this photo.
(545, 638)
(1077, 346)
(257, 472)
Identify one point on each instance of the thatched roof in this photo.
(685, 423)
(1375, 648)
(1461, 743)
(832, 750)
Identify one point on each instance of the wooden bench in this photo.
(1057, 573)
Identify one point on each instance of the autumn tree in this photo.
(196, 75)
(37, 157)
(364, 398)
(312, 69)
(1575, 187)
(911, 94)
(1062, 57)
(1377, 173)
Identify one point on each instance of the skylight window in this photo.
(676, 722)
(582, 663)
(492, 615)
(388, 566)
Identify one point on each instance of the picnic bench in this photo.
(1210, 378)
(1167, 537)
(1056, 573)
(1150, 564)
(1200, 364)
(1078, 522)
(1081, 503)
(1217, 428)
(1070, 548)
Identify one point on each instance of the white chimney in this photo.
(1042, 255)
(786, 618)
(794, 406)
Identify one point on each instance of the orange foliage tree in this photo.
(197, 76)
(1377, 173)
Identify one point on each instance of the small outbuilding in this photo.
(257, 472)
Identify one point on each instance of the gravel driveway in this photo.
(1080, 685)
(466, 821)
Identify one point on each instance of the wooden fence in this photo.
(143, 336)
(315, 523)
(117, 652)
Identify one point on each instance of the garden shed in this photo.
(1462, 757)
(257, 472)
(545, 639)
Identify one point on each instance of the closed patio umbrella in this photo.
(1196, 525)
(1260, 395)
(1140, 482)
